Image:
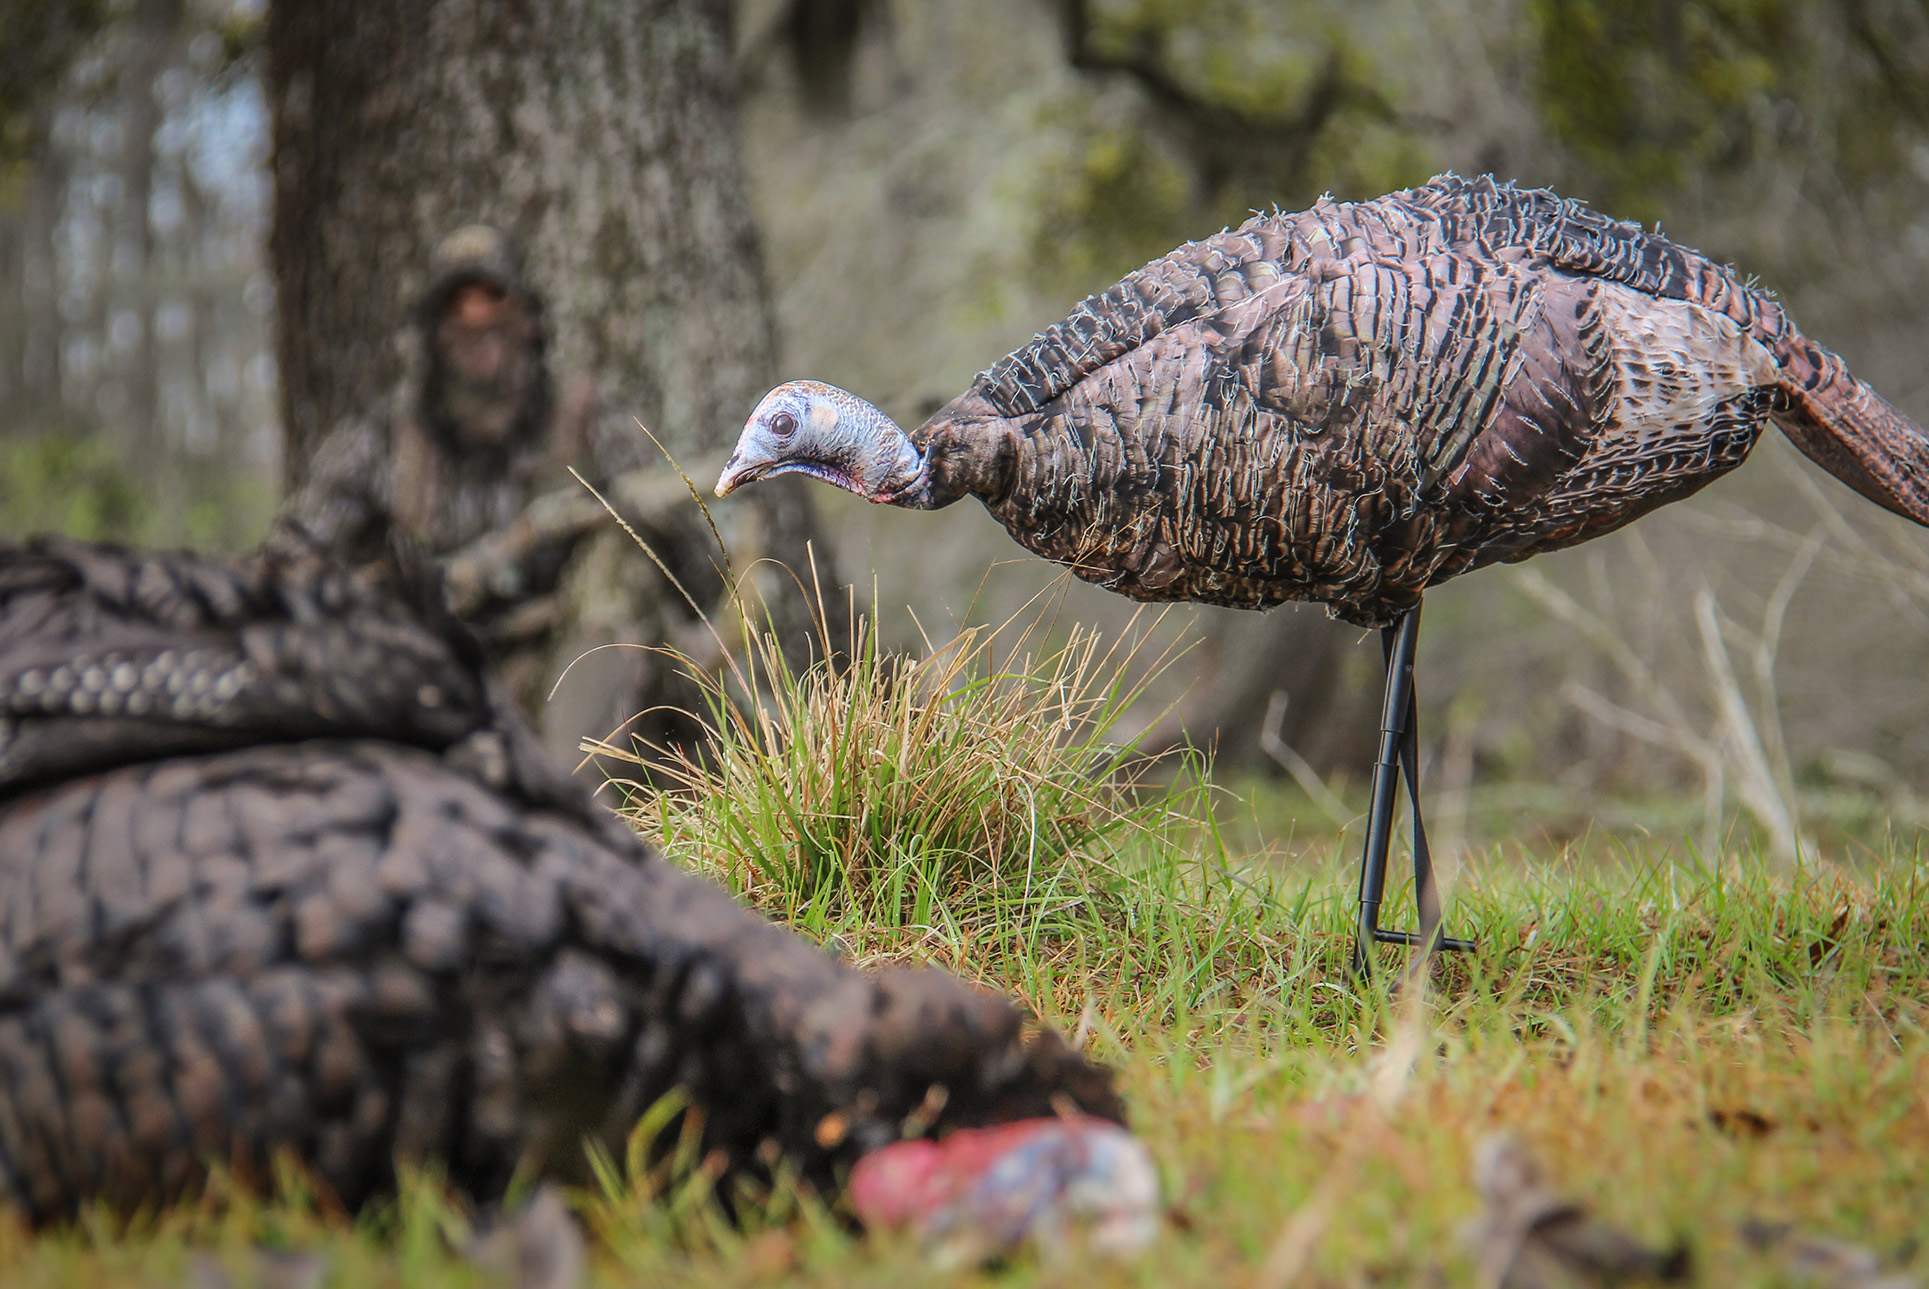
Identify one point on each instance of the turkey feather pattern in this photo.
(280, 875)
(1356, 402)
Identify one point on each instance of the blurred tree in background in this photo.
(602, 139)
(42, 38)
(1649, 98)
(133, 196)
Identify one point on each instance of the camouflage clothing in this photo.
(473, 437)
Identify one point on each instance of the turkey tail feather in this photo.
(1853, 432)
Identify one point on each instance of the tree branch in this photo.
(1222, 136)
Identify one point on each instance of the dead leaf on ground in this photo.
(1529, 1237)
(1741, 1122)
(1833, 1264)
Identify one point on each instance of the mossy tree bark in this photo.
(602, 138)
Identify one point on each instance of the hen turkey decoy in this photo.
(278, 874)
(1357, 402)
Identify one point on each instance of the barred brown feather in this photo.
(315, 912)
(1356, 402)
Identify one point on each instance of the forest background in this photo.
(931, 181)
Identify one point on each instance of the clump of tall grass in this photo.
(975, 782)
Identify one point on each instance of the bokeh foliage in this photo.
(38, 39)
(83, 485)
(1211, 111)
(1648, 93)
(1244, 104)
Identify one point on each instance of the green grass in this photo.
(1687, 1043)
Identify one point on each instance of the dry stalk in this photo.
(1298, 766)
(1746, 747)
(1390, 1076)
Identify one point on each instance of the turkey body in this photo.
(1356, 402)
(277, 876)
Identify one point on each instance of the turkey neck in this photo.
(969, 450)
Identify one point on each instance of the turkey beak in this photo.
(736, 473)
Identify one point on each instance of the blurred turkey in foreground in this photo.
(278, 874)
(1357, 402)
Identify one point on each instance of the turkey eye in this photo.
(783, 425)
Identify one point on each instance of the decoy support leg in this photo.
(1399, 752)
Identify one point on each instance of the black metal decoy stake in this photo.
(1399, 754)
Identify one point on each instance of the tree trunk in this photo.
(40, 374)
(16, 233)
(602, 139)
(149, 42)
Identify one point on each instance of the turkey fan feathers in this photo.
(109, 655)
(322, 910)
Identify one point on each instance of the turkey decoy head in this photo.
(820, 430)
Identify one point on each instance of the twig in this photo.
(1748, 746)
(1754, 781)
(1298, 766)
